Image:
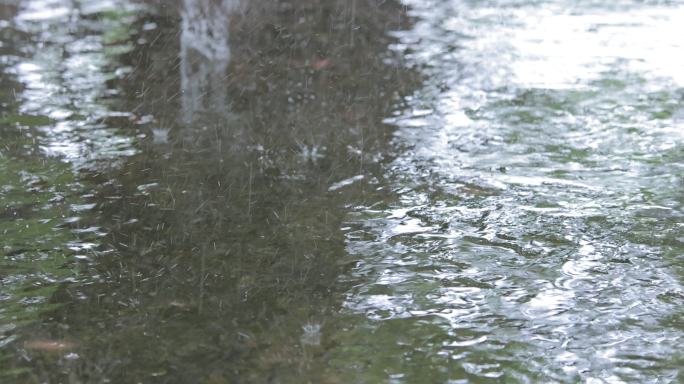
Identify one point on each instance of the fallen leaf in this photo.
(48, 345)
(321, 64)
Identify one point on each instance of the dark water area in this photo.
(175, 176)
(332, 191)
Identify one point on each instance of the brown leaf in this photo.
(321, 64)
(48, 345)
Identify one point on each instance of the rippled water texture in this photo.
(538, 231)
(341, 191)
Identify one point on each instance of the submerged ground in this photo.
(341, 191)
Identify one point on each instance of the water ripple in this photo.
(539, 195)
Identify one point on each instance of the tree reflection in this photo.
(204, 54)
(223, 244)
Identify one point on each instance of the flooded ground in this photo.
(341, 191)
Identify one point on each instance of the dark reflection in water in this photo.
(210, 150)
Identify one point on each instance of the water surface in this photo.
(341, 191)
(537, 234)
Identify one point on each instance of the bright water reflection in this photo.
(537, 234)
(64, 68)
